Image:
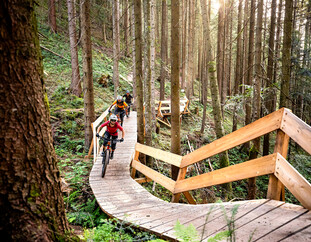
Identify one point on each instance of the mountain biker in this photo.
(112, 131)
(128, 99)
(121, 107)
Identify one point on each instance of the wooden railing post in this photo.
(133, 172)
(276, 189)
(175, 198)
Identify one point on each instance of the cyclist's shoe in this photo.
(127, 115)
(111, 155)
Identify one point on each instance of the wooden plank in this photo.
(256, 129)
(168, 157)
(161, 121)
(181, 176)
(267, 222)
(276, 189)
(295, 183)
(253, 168)
(133, 172)
(298, 130)
(143, 180)
(154, 175)
(246, 212)
(298, 229)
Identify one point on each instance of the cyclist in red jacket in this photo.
(112, 131)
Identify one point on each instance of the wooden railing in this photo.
(281, 172)
(95, 142)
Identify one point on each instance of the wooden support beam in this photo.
(181, 175)
(295, 183)
(168, 157)
(253, 168)
(133, 172)
(143, 180)
(297, 129)
(276, 189)
(256, 129)
(166, 182)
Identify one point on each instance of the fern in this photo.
(184, 233)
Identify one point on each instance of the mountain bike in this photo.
(120, 116)
(107, 151)
(129, 109)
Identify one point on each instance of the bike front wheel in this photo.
(105, 162)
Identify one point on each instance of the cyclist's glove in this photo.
(109, 111)
(121, 140)
(97, 135)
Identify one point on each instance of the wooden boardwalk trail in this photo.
(123, 198)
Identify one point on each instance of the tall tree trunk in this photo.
(270, 85)
(152, 59)
(164, 39)
(175, 118)
(139, 72)
(116, 46)
(88, 90)
(75, 85)
(223, 157)
(149, 17)
(52, 16)
(238, 63)
(286, 54)
(249, 77)
(245, 46)
(220, 48)
(126, 27)
(133, 50)
(184, 43)
(31, 202)
(256, 95)
(190, 69)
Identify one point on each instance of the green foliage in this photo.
(186, 233)
(219, 236)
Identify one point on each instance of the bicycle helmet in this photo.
(127, 91)
(113, 117)
(119, 98)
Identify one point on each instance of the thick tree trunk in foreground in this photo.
(75, 85)
(175, 119)
(31, 202)
(88, 91)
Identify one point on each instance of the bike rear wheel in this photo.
(105, 162)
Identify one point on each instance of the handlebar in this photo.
(112, 140)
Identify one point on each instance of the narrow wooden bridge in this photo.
(120, 196)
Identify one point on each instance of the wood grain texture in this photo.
(253, 168)
(256, 129)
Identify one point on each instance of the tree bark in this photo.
(52, 16)
(164, 57)
(75, 85)
(184, 43)
(256, 95)
(271, 90)
(116, 46)
(126, 27)
(223, 157)
(238, 64)
(139, 72)
(175, 118)
(286, 55)
(190, 69)
(88, 90)
(31, 202)
(220, 48)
